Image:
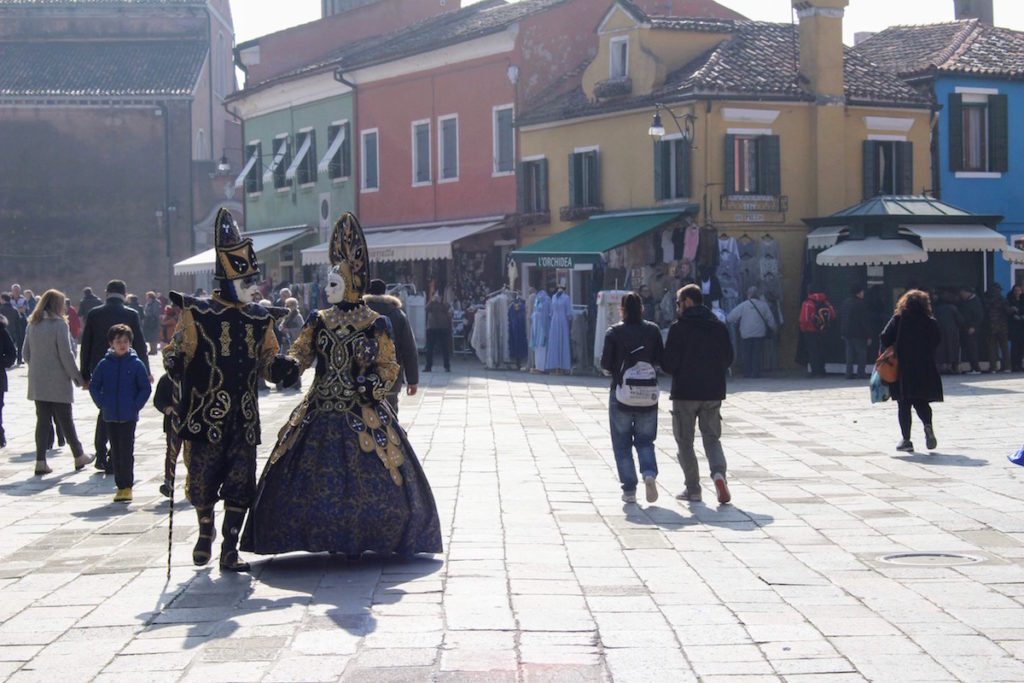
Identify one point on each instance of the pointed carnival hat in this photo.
(348, 256)
(236, 258)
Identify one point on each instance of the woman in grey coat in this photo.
(51, 372)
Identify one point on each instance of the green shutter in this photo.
(542, 169)
(595, 180)
(521, 171)
(870, 161)
(904, 168)
(956, 132)
(769, 179)
(998, 134)
(729, 164)
(683, 153)
(573, 201)
(659, 171)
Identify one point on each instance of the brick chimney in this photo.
(975, 9)
(821, 45)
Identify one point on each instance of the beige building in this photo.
(764, 125)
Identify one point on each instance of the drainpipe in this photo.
(357, 150)
(209, 71)
(167, 191)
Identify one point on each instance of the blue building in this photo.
(974, 72)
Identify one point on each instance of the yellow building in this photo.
(764, 125)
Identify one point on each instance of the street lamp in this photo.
(223, 166)
(684, 123)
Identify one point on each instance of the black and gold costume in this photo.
(343, 476)
(220, 349)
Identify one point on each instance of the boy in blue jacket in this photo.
(120, 387)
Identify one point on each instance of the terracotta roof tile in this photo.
(759, 60)
(964, 47)
(100, 69)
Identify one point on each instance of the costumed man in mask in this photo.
(221, 346)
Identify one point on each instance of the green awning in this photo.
(586, 242)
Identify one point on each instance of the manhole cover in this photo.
(931, 559)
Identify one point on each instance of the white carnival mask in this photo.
(246, 294)
(335, 288)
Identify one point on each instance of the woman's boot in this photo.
(929, 438)
(41, 467)
(203, 550)
(230, 529)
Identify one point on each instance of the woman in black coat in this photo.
(8, 354)
(916, 334)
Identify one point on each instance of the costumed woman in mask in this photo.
(221, 346)
(343, 476)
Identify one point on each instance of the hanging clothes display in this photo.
(668, 247)
(559, 354)
(691, 242)
(768, 253)
(707, 251)
(517, 344)
(497, 330)
(479, 338)
(609, 312)
(747, 246)
(540, 322)
(578, 336)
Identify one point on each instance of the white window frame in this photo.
(440, 148)
(614, 46)
(363, 134)
(495, 173)
(415, 153)
(584, 150)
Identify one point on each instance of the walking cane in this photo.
(170, 527)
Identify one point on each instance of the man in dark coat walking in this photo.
(89, 301)
(94, 346)
(974, 315)
(855, 330)
(698, 354)
(405, 341)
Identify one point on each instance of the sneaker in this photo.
(629, 497)
(652, 488)
(82, 460)
(166, 488)
(689, 496)
(123, 495)
(42, 468)
(905, 445)
(721, 488)
(930, 442)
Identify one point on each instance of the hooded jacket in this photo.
(405, 341)
(809, 308)
(698, 354)
(120, 386)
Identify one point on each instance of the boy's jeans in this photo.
(122, 452)
(631, 428)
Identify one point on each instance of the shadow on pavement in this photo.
(726, 516)
(938, 458)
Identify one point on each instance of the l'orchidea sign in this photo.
(555, 262)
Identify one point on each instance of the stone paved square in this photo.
(547, 575)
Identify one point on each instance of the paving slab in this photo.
(839, 560)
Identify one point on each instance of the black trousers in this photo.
(2, 435)
(924, 412)
(815, 345)
(171, 455)
(438, 338)
(220, 471)
(970, 347)
(48, 414)
(122, 452)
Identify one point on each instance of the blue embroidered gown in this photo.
(343, 476)
(559, 353)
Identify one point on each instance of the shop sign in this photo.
(750, 218)
(383, 253)
(555, 262)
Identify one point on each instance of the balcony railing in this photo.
(754, 202)
(579, 213)
(521, 220)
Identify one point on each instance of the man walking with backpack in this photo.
(631, 350)
(698, 355)
(816, 317)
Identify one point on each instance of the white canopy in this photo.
(873, 251)
(282, 149)
(262, 240)
(822, 238)
(299, 156)
(413, 244)
(325, 162)
(240, 180)
(1013, 255)
(957, 237)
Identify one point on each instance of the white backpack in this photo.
(639, 387)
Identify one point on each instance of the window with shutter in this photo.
(504, 140)
(956, 132)
(888, 167)
(254, 178)
(420, 152)
(370, 166)
(532, 186)
(999, 133)
(448, 148)
(671, 169)
(975, 137)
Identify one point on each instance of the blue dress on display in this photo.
(517, 346)
(559, 353)
(540, 320)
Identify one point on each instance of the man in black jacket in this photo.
(89, 301)
(974, 316)
(626, 344)
(405, 341)
(95, 345)
(855, 331)
(698, 355)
